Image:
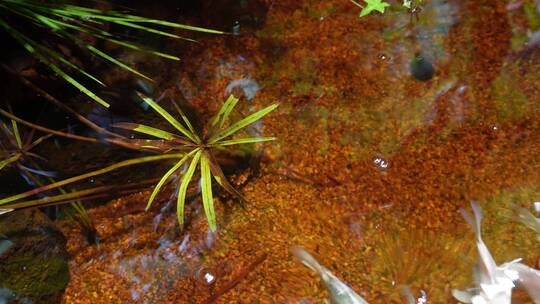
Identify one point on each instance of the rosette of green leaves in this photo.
(199, 151)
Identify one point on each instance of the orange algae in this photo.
(348, 105)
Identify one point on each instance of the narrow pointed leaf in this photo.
(134, 46)
(166, 176)
(223, 113)
(60, 58)
(207, 197)
(16, 133)
(77, 178)
(8, 161)
(175, 123)
(186, 121)
(27, 44)
(116, 61)
(242, 123)
(145, 130)
(244, 141)
(148, 29)
(181, 199)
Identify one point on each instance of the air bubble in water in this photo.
(380, 162)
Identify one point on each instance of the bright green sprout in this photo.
(371, 5)
(200, 152)
(72, 22)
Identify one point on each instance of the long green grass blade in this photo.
(136, 47)
(186, 121)
(116, 61)
(173, 24)
(242, 123)
(113, 16)
(58, 57)
(27, 44)
(145, 130)
(59, 198)
(244, 141)
(175, 123)
(166, 177)
(181, 199)
(148, 29)
(207, 197)
(77, 178)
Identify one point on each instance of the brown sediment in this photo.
(342, 106)
(237, 279)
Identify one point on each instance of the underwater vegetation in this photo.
(81, 26)
(16, 152)
(360, 128)
(413, 6)
(199, 151)
(186, 146)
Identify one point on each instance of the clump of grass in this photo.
(200, 151)
(190, 150)
(71, 23)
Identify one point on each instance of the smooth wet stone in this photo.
(33, 258)
(421, 68)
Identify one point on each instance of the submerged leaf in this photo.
(182, 191)
(166, 176)
(10, 160)
(244, 141)
(175, 123)
(242, 123)
(77, 178)
(221, 116)
(207, 197)
(145, 130)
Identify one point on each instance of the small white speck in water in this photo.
(423, 298)
(536, 206)
(209, 278)
(380, 162)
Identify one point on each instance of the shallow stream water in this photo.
(387, 125)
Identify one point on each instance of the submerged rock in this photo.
(33, 259)
(421, 68)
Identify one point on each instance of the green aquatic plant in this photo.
(199, 151)
(414, 7)
(16, 151)
(186, 147)
(371, 5)
(76, 24)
